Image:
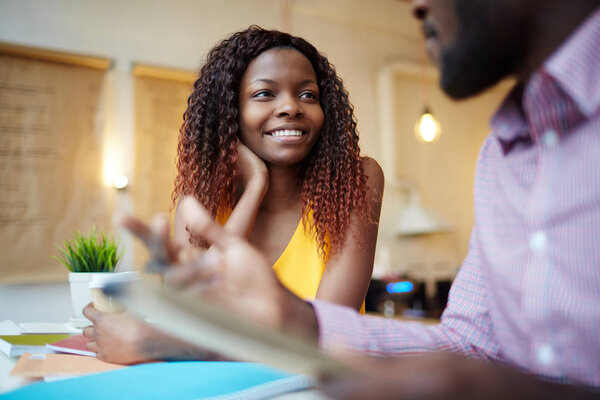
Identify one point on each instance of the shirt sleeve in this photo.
(466, 327)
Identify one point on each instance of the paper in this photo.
(8, 327)
(173, 380)
(76, 344)
(216, 329)
(42, 365)
(15, 345)
(46, 327)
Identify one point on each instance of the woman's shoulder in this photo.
(373, 172)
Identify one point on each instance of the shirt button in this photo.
(550, 138)
(545, 355)
(538, 241)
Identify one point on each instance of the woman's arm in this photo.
(347, 274)
(255, 181)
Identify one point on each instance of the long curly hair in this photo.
(332, 181)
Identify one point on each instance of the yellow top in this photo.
(300, 266)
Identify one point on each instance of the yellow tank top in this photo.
(300, 266)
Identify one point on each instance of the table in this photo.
(8, 383)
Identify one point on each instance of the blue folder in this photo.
(170, 380)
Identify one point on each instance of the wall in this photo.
(438, 175)
(360, 38)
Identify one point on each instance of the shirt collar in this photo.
(562, 94)
(575, 65)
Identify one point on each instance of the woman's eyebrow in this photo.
(304, 82)
(263, 80)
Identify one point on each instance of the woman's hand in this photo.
(254, 177)
(253, 170)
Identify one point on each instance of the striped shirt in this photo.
(528, 292)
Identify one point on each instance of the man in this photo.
(523, 318)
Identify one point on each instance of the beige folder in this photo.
(216, 329)
(44, 365)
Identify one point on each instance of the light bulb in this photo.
(121, 182)
(427, 128)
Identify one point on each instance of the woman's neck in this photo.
(283, 192)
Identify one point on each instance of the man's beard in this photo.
(483, 52)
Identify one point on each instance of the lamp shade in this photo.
(414, 219)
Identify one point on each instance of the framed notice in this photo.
(50, 158)
(160, 100)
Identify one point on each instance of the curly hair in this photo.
(332, 181)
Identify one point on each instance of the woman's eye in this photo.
(308, 95)
(262, 93)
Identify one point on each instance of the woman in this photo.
(269, 140)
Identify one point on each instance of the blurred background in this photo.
(91, 100)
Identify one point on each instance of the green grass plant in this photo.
(94, 252)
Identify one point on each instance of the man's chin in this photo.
(459, 90)
(462, 82)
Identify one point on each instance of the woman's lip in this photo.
(287, 139)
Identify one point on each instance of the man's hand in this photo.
(442, 376)
(232, 274)
(122, 338)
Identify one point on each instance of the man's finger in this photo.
(162, 244)
(204, 268)
(92, 346)
(88, 332)
(199, 222)
(137, 227)
(91, 313)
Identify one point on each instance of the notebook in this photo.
(15, 345)
(193, 380)
(76, 344)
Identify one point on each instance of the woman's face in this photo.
(280, 112)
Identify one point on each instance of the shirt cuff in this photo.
(340, 327)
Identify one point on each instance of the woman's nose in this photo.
(289, 106)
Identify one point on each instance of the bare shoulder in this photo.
(181, 233)
(374, 173)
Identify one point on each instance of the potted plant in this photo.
(86, 256)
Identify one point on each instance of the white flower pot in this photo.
(81, 294)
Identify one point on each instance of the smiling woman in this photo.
(269, 146)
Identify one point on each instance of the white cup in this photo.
(105, 303)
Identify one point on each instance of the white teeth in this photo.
(286, 132)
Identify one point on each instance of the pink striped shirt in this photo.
(528, 293)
